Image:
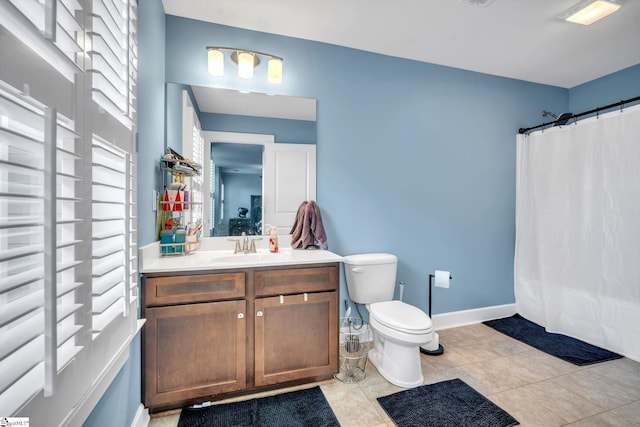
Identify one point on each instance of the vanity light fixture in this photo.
(589, 11)
(246, 60)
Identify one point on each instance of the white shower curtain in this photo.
(577, 253)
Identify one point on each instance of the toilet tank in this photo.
(370, 277)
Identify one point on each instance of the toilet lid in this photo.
(400, 316)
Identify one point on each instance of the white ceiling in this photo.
(521, 39)
(226, 101)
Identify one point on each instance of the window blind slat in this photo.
(104, 193)
(9, 254)
(104, 301)
(110, 246)
(21, 361)
(24, 388)
(105, 282)
(22, 330)
(67, 311)
(102, 320)
(102, 266)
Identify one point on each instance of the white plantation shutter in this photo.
(68, 254)
(49, 27)
(132, 52)
(193, 149)
(196, 180)
(61, 197)
(114, 57)
(38, 275)
(108, 240)
(22, 251)
(131, 233)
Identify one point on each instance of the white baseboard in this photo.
(473, 316)
(142, 418)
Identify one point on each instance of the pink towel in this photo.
(307, 229)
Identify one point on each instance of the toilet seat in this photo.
(401, 317)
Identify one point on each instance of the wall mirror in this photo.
(251, 142)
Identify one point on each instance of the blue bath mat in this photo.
(450, 403)
(303, 408)
(566, 348)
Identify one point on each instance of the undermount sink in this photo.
(260, 257)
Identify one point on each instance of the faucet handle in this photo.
(252, 249)
(237, 249)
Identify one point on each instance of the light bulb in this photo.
(245, 65)
(274, 71)
(216, 62)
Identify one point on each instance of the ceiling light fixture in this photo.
(589, 11)
(246, 60)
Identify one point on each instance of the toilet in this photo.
(399, 329)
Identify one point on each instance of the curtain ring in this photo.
(621, 106)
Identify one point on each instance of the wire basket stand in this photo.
(355, 336)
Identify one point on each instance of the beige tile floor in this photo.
(537, 389)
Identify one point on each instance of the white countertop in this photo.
(216, 253)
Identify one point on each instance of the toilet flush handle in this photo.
(357, 269)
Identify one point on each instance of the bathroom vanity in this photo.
(220, 326)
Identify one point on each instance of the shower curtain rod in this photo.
(575, 116)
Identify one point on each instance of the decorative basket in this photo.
(355, 340)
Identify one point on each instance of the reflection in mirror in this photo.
(244, 119)
(237, 180)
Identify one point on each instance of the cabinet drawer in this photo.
(296, 280)
(195, 288)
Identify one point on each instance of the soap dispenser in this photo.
(273, 239)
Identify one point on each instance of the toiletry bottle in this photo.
(273, 239)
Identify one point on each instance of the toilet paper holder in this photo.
(431, 277)
(430, 350)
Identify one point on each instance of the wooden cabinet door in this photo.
(193, 351)
(296, 337)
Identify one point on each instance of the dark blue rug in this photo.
(303, 408)
(445, 404)
(566, 348)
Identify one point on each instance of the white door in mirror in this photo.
(289, 178)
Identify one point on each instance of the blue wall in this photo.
(173, 114)
(414, 159)
(120, 401)
(239, 188)
(624, 84)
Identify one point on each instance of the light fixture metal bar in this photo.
(236, 50)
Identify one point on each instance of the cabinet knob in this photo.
(259, 314)
(240, 315)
